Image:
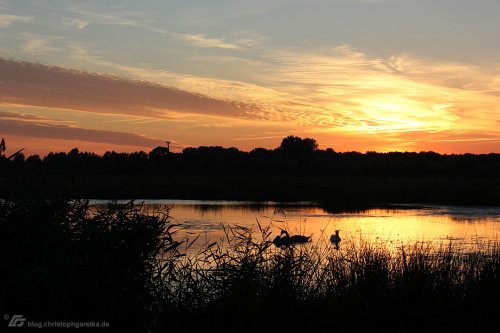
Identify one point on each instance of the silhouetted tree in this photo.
(295, 147)
(294, 157)
(159, 152)
(34, 162)
(74, 153)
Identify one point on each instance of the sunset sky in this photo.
(383, 75)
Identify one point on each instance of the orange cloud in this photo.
(25, 83)
(36, 129)
(344, 98)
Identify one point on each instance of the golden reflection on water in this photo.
(465, 226)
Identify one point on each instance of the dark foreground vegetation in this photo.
(296, 170)
(66, 261)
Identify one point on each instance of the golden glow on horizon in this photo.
(338, 96)
(355, 75)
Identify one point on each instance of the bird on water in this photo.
(285, 239)
(335, 238)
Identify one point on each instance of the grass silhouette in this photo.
(66, 260)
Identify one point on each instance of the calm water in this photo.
(400, 223)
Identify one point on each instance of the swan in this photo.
(285, 239)
(335, 238)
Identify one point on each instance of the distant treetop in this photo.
(294, 146)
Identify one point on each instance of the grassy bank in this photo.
(333, 192)
(63, 260)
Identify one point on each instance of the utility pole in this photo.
(168, 145)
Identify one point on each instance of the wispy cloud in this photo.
(40, 44)
(261, 98)
(26, 83)
(239, 42)
(75, 23)
(204, 41)
(31, 128)
(400, 102)
(116, 18)
(353, 92)
(6, 20)
(344, 90)
(26, 117)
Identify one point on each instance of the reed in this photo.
(66, 260)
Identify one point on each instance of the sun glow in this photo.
(350, 99)
(400, 114)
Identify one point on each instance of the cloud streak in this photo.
(25, 83)
(199, 40)
(7, 20)
(75, 23)
(204, 41)
(37, 129)
(41, 45)
(337, 90)
(403, 101)
(343, 90)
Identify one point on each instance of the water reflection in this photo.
(397, 224)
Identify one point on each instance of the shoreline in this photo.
(330, 192)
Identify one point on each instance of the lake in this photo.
(394, 224)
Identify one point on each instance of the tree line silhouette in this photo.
(294, 157)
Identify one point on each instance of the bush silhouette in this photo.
(295, 147)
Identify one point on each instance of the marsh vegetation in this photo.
(67, 260)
